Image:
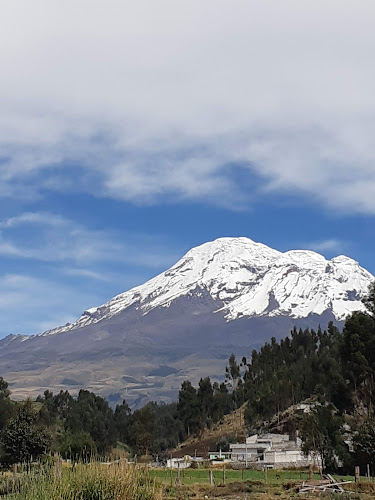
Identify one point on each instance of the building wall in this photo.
(281, 457)
(239, 452)
(274, 457)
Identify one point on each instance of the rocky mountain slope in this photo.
(229, 295)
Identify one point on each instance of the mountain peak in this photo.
(228, 295)
(247, 278)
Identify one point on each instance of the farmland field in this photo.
(245, 484)
(119, 481)
(201, 476)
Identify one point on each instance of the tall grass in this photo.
(92, 481)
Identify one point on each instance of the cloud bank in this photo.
(47, 237)
(54, 268)
(152, 102)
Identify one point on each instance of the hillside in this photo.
(232, 425)
(229, 295)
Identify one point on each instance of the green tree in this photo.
(169, 430)
(369, 300)
(77, 446)
(232, 371)
(142, 430)
(188, 408)
(358, 357)
(205, 396)
(222, 400)
(23, 437)
(6, 405)
(122, 419)
(321, 434)
(92, 414)
(364, 444)
(224, 442)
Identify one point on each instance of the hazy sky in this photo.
(132, 131)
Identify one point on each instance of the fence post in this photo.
(178, 480)
(356, 473)
(311, 473)
(14, 471)
(211, 476)
(58, 466)
(223, 473)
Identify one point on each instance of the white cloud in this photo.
(87, 273)
(25, 299)
(56, 239)
(64, 268)
(157, 101)
(38, 218)
(328, 245)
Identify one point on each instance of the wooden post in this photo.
(356, 474)
(211, 476)
(223, 473)
(242, 474)
(58, 466)
(171, 470)
(178, 480)
(368, 472)
(14, 471)
(311, 472)
(265, 473)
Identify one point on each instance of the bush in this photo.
(224, 442)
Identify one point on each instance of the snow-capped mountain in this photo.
(248, 279)
(229, 295)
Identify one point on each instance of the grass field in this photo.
(120, 481)
(247, 484)
(201, 476)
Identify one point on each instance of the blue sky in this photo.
(131, 133)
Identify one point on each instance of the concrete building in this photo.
(218, 457)
(272, 450)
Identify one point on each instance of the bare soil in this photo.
(232, 425)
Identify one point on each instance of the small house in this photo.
(272, 450)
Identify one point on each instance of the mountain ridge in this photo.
(229, 295)
(249, 260)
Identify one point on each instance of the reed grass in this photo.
(93, 481)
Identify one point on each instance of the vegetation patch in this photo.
(92, 481)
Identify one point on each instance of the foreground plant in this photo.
(92, 481)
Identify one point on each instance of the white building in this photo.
(272, 450)
(183, 462)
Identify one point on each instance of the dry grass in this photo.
(86, 482)
(232, 424)
(120, 481)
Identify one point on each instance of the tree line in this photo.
(81, 427)
(334, 371)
